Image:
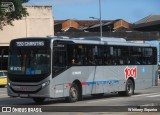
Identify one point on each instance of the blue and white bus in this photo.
(55, 67)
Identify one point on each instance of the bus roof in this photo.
(93, 40)
(103, 40)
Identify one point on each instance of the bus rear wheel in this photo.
(38, 99)
(129, 88)
(73, 93)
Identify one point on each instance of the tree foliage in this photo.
(6, 18)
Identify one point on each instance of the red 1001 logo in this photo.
(130, 72)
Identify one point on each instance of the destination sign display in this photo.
(29, 43)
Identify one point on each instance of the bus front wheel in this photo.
(73, 93)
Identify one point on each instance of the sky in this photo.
(129, 10)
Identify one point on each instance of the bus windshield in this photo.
(29, 61)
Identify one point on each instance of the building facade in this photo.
(148, 24)
(38, 23)
(90, 25)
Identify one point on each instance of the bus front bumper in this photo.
(28, 91)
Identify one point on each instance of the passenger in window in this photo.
(127, 61)
(84, 60)
(76, 61)
(110, 60)
(121, 61)
(73, 61)
(92, 61)
(117, 61)
(144, 61)
(106, 61)
(148, 60)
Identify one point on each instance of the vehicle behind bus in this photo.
(3, 78)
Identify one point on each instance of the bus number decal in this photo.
(15, 68)
(130, 72)
(76, 73)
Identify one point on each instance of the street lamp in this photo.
(100, 18)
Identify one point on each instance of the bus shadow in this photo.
(137, 94)
(85, 98)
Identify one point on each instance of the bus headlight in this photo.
(45, 84)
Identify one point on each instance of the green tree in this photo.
(17, 13)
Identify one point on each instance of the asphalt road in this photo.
(108, 103)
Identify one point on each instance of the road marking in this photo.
(3, 91)
(144, 94)
(3, 95)
(105, 100)
(154, 96)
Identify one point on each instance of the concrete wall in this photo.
(39, 23)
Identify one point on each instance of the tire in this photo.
(38, 99)
(129, 88)
(73, 94)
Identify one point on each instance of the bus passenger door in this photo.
(59, 66)
(59, 58)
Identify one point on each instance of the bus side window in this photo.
(76, 55)
(147, 56)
